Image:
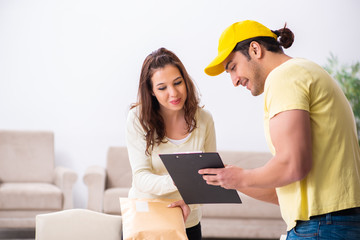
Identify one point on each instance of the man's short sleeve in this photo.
(287, 89)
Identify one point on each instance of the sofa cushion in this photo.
(250, 208)
(30, 196)
(26, 156)
(242, 228)
(246, 160)
(111, 199)
(118, 170)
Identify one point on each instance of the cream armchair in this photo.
(77, 224)
(30, 184)
(106, 185)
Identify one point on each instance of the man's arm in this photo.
(263, 194)
(290, 133)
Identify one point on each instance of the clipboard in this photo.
(183, 169)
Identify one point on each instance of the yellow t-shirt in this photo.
(150, 177)
(334, 181)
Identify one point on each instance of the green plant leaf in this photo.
(348, 77)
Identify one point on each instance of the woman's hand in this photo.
(184, 207)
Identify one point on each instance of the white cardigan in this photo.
(150, 177)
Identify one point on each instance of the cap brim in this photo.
(216, 66)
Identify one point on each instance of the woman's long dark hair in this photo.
(149, 114)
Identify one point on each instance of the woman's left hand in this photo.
(184, 207)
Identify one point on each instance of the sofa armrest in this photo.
(65, 179)
(95, 178)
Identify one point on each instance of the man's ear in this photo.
(255, 50)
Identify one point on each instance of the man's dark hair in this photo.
(286, 39)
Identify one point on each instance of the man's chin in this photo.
(256, 93)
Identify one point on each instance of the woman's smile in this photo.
(176, 101)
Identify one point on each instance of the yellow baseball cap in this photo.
(235, 33)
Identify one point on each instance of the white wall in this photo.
(72, 66)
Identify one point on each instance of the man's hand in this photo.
(229, 177)
(184, 207)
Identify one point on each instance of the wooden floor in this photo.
(17, 234)
(22, 234)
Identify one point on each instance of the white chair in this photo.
(283, 237)
(77, 224)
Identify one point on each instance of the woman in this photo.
(166, 119)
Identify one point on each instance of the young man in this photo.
(314, 174)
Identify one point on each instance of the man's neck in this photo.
(273, 60)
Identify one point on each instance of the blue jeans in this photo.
(327, 226)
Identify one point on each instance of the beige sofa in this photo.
(106, 185)
(252, 219)
(30, 184)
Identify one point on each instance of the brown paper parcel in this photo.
(151, 219)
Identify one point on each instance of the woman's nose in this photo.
(172, 91)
